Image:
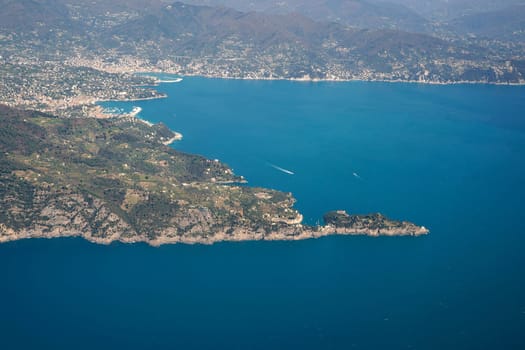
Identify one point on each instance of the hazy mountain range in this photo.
(354, 13)
(293, 39)
(409, 15)
(450, 9)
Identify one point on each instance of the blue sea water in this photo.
(451, 158)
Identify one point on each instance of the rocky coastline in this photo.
(115, 179)
(114, 229)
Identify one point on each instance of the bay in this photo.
(447, 157)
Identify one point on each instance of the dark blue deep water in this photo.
(451, 158)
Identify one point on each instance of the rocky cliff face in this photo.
(115, 180)
(370, 225)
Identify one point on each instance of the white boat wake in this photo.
(178, 80)
(356, 175)
(281, 169)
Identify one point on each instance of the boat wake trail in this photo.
(281, 169)
(178, 80)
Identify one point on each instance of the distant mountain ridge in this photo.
(505, 24)
(446, 10)
(423, 16)
(354, 13)
(223, 42)
(27, 15)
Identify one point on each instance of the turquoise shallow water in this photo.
(448, 157)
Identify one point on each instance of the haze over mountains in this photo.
(409, 15)
(354, 13)
(505, 24)
(450, 9)
(293, 39)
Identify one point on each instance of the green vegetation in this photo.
(115, 176)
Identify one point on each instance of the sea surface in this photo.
(451, 158)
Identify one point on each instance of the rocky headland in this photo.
(115, 179)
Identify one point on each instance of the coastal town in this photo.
(67, 90)
(65, 66)
(74, 87)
